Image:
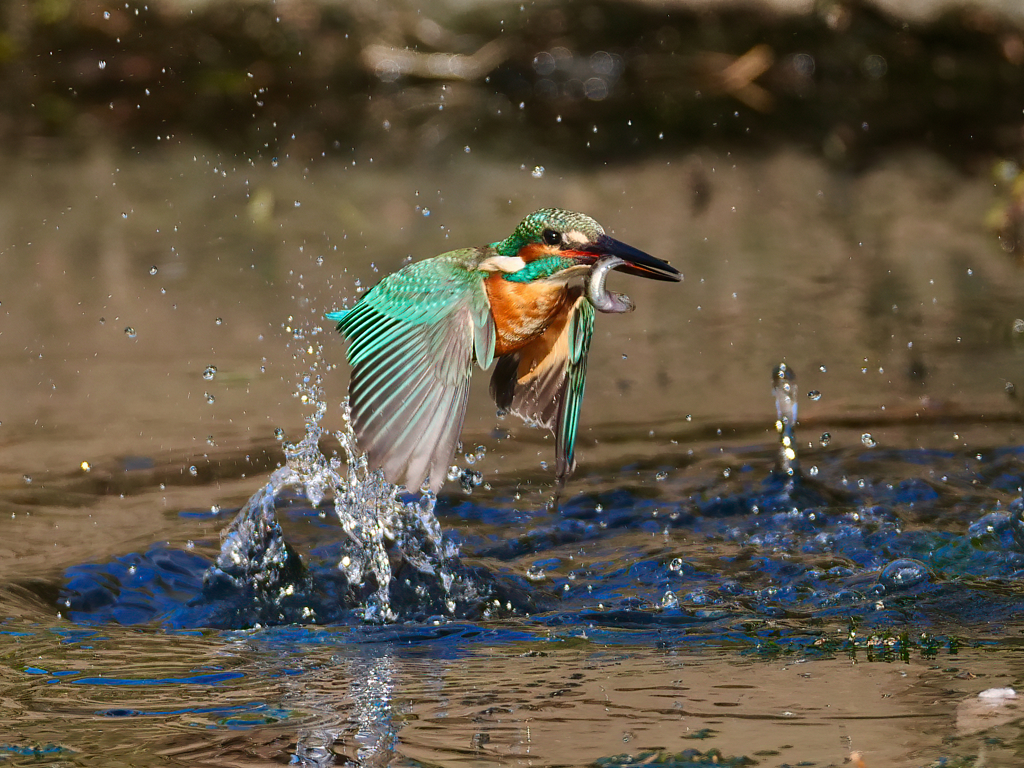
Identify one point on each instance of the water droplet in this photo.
(454, 472)
(209, 372)
(209, 398)
(1018, 325)
(210, 440)
(193, 471)
(219, 321)
(103, 64)
(661, 476)
(469, 479)
(106, 14)
(153, 270)
(86, 466)
(273, 162)
(868, 440)
(814, 395)
(669, 600)
(279, 435)
(129, 332)
(903, 573)
(426, 211)
(823, 369)
(825, 439)
(535, 573)
(538, 172)
(676, 565)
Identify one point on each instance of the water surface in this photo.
(683, 595)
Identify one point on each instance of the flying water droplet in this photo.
(661, 476)
(669, 600)
(86, 466)
(814, 395)
(279, 434)
(535, 573)
(210, 399)
(469, 479)
(538, 172)
(825, 439)
(193, 471)
(868, 440)
(153, 270)
(209, 372)
(129, 332)
(219, 321)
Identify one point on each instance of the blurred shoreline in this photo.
(605, 81)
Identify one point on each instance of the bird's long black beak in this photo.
(637, 262)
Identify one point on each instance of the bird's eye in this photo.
(551, 237)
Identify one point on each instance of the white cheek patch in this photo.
(502, 264)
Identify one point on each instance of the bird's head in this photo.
(559, 241)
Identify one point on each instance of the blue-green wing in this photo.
(543, 382)
(414, 338)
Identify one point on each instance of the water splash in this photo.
(381, 530)
(785, 391)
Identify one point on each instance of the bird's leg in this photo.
(603, 299)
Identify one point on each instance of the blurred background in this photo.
(189, 184)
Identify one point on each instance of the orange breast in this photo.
(523, 311)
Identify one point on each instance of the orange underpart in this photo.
(523, 311)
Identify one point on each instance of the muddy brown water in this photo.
(884, 290)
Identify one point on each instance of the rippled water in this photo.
(697, 593)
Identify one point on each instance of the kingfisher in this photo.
(525, 303)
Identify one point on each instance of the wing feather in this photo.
(413, 340)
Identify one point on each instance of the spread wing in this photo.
(414, 337)
(543, 382)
